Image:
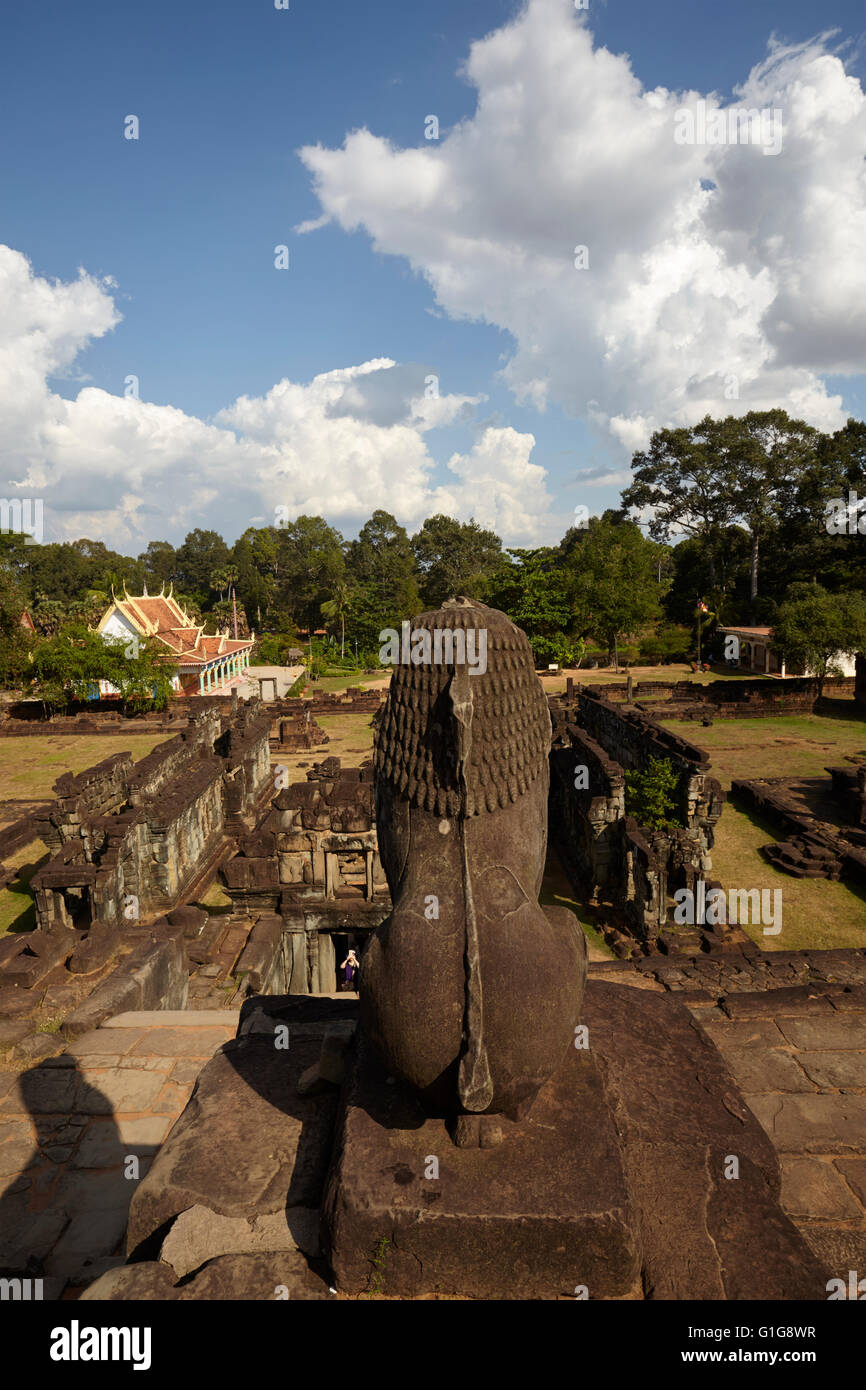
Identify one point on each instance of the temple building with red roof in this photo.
(205, 663)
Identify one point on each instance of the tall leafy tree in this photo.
(803, 548)
(160, 565)
(454, 558)
(69, 666)
(383, 588)
(311, 561)
(531, 586)
(765, 455)
(16, 642)
(813, 626)
(678, 479)
(613, 582)
(334, 609)
(256, 560)
(201, 554)
(382, 558)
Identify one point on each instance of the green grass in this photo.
(17, 908)
(816, 914)
(29, 767)
(556, 891)
(341, 680)
(791, 746)
(351, 738)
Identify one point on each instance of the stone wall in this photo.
(812, 847)
(295, 729)
(584, 822)
(352, 700)
(721, 699)
(19, 718)
(131, 841)
(21, 831)
(631, 737)
(610, 859)
(318, 842)
(314, 859)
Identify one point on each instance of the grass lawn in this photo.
(17, 909)
(794, 746)
(343, 679)
(677, 671)
(351, 738)
(29, 767)
(816, 914)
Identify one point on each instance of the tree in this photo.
(531, 586)
(764, 456)
(803, 548)
(691, 576)
(70, 665)
(219, 581)
(201, 554)
(15, 641)
(701, 480)
(48, 615)
(335, 607)
(455, 558)
(613, 582)
(679, 478)
(813, 626)
(255, 558)
(160, 565)
(382, 558)
(311, 561)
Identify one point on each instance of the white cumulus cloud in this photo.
(720, 278)
(126, 471)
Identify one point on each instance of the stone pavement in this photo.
(212, 959)
(798, 1054)
(78, 1130)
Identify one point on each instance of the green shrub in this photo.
(566, 651)
(670, 642)
(650, 795)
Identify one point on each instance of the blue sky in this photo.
(185, 219)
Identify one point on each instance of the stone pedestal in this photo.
(537, 1216)
(638, 1172)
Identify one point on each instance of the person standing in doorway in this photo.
(350, 969)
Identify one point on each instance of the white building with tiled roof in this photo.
(205, 663)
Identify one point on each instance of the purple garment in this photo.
(350, 974)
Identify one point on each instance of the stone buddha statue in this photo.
(470, 990)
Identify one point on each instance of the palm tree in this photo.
(335, 607)
(219, 580)
(49, 616)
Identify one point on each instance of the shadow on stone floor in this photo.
(65, 1191)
